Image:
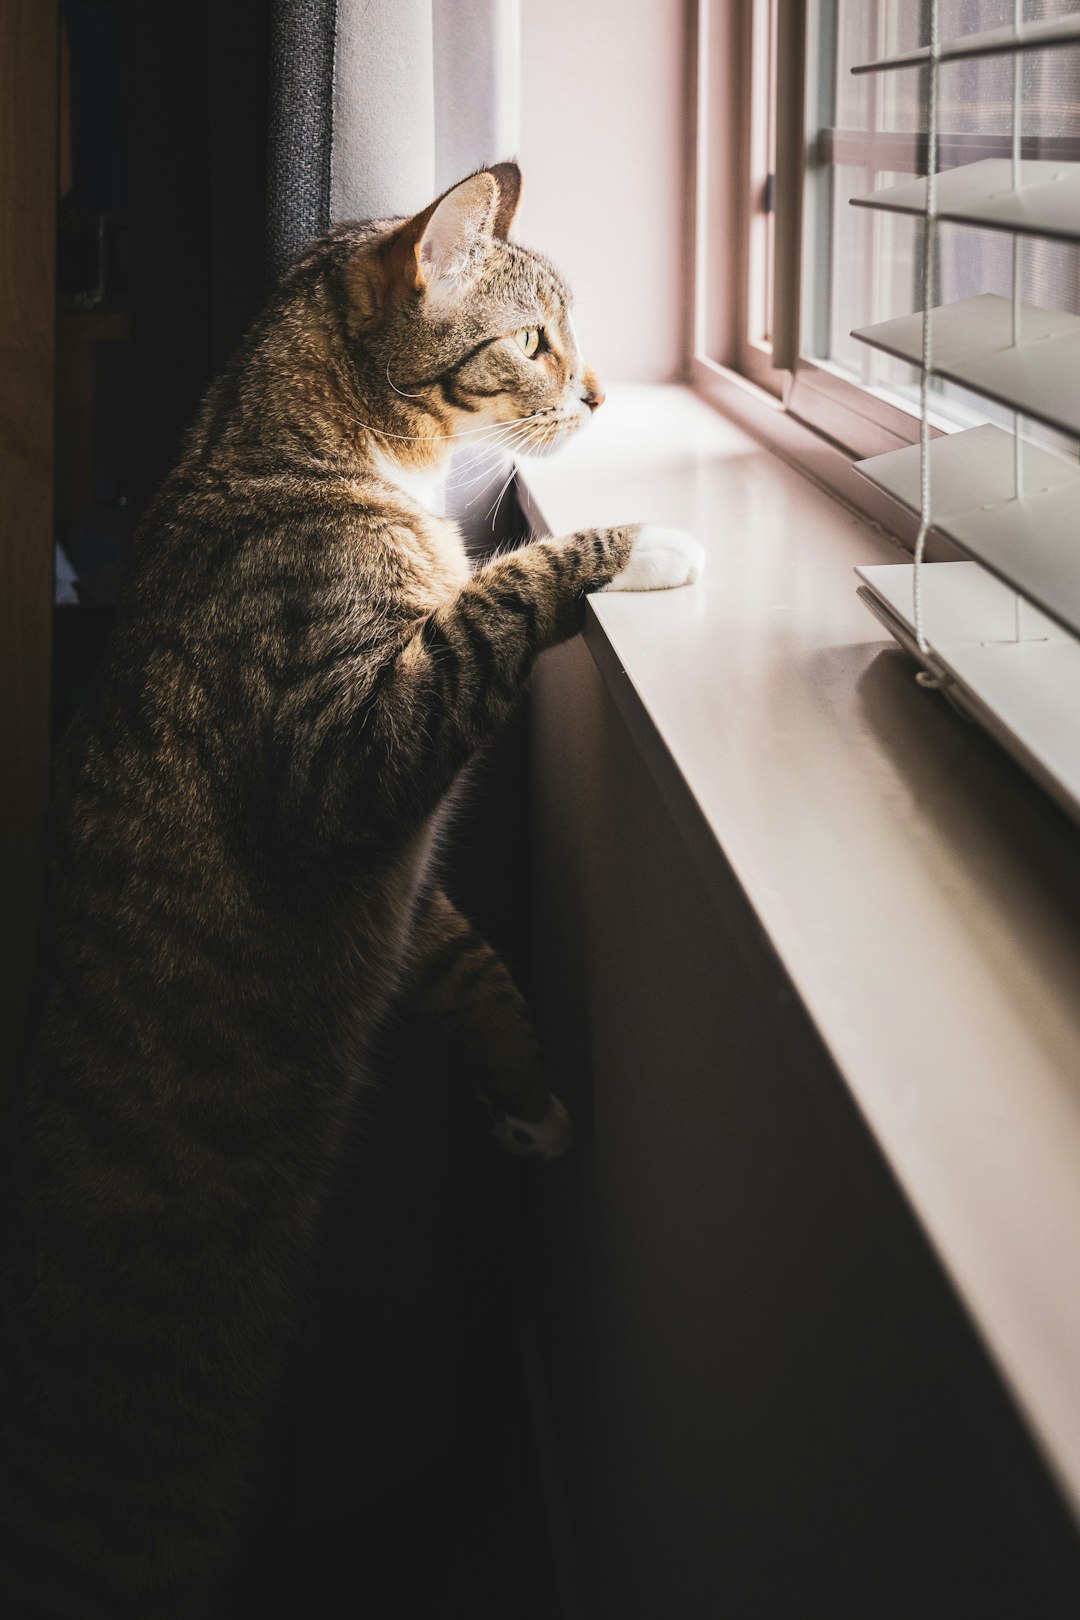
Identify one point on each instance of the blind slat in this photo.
(1023, 692)
(973, 346)
(1047, 203)
(1000, 633)
(1030, 543)
(1032, 36)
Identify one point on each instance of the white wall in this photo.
(605, 155)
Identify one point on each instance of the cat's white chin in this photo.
(661, 560)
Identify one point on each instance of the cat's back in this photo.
(184, 876)
(249, 593)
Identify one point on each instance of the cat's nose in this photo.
(592, 394)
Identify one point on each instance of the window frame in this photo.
(821, 436)
(733, 102)
(736, 96)
(758, 222)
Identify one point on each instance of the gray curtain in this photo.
(376, 107)
(301, 127)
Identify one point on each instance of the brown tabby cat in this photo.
(241, 878)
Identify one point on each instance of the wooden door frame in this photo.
(29, 107)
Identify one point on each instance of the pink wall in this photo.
(605, 154)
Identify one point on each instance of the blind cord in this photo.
(928, 246)
(1017, 181)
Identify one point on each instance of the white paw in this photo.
(661, 559)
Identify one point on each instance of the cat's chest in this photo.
(430, 552)
(424, 485)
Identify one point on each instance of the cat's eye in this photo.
(528, 340)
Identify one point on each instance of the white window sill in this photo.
(921, 893)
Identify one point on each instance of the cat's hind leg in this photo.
(459, 979)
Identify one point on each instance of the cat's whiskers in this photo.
(497, 503)
(483, 473)
(500, 432)
(465, 434)
(546, 437)
(474, 472)
(480, 466)
(522, 441)
(395, 387)
(511, 475)
(483, 479)
(486, 465)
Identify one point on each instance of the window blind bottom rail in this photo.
(1030, 542)
(1023, 692)
(1046, 204)
(972, 345)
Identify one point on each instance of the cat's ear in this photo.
(457, 230)
(507, 177)
(435, 250)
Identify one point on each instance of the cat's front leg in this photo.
(459, 979)
(451, 685)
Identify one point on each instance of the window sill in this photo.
(922, 895)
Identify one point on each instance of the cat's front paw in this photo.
(546, 1138)
(660, 560)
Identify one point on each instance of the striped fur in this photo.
(240, 881)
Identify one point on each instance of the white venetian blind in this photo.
(1000, 632)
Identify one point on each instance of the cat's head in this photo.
(455, 330)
